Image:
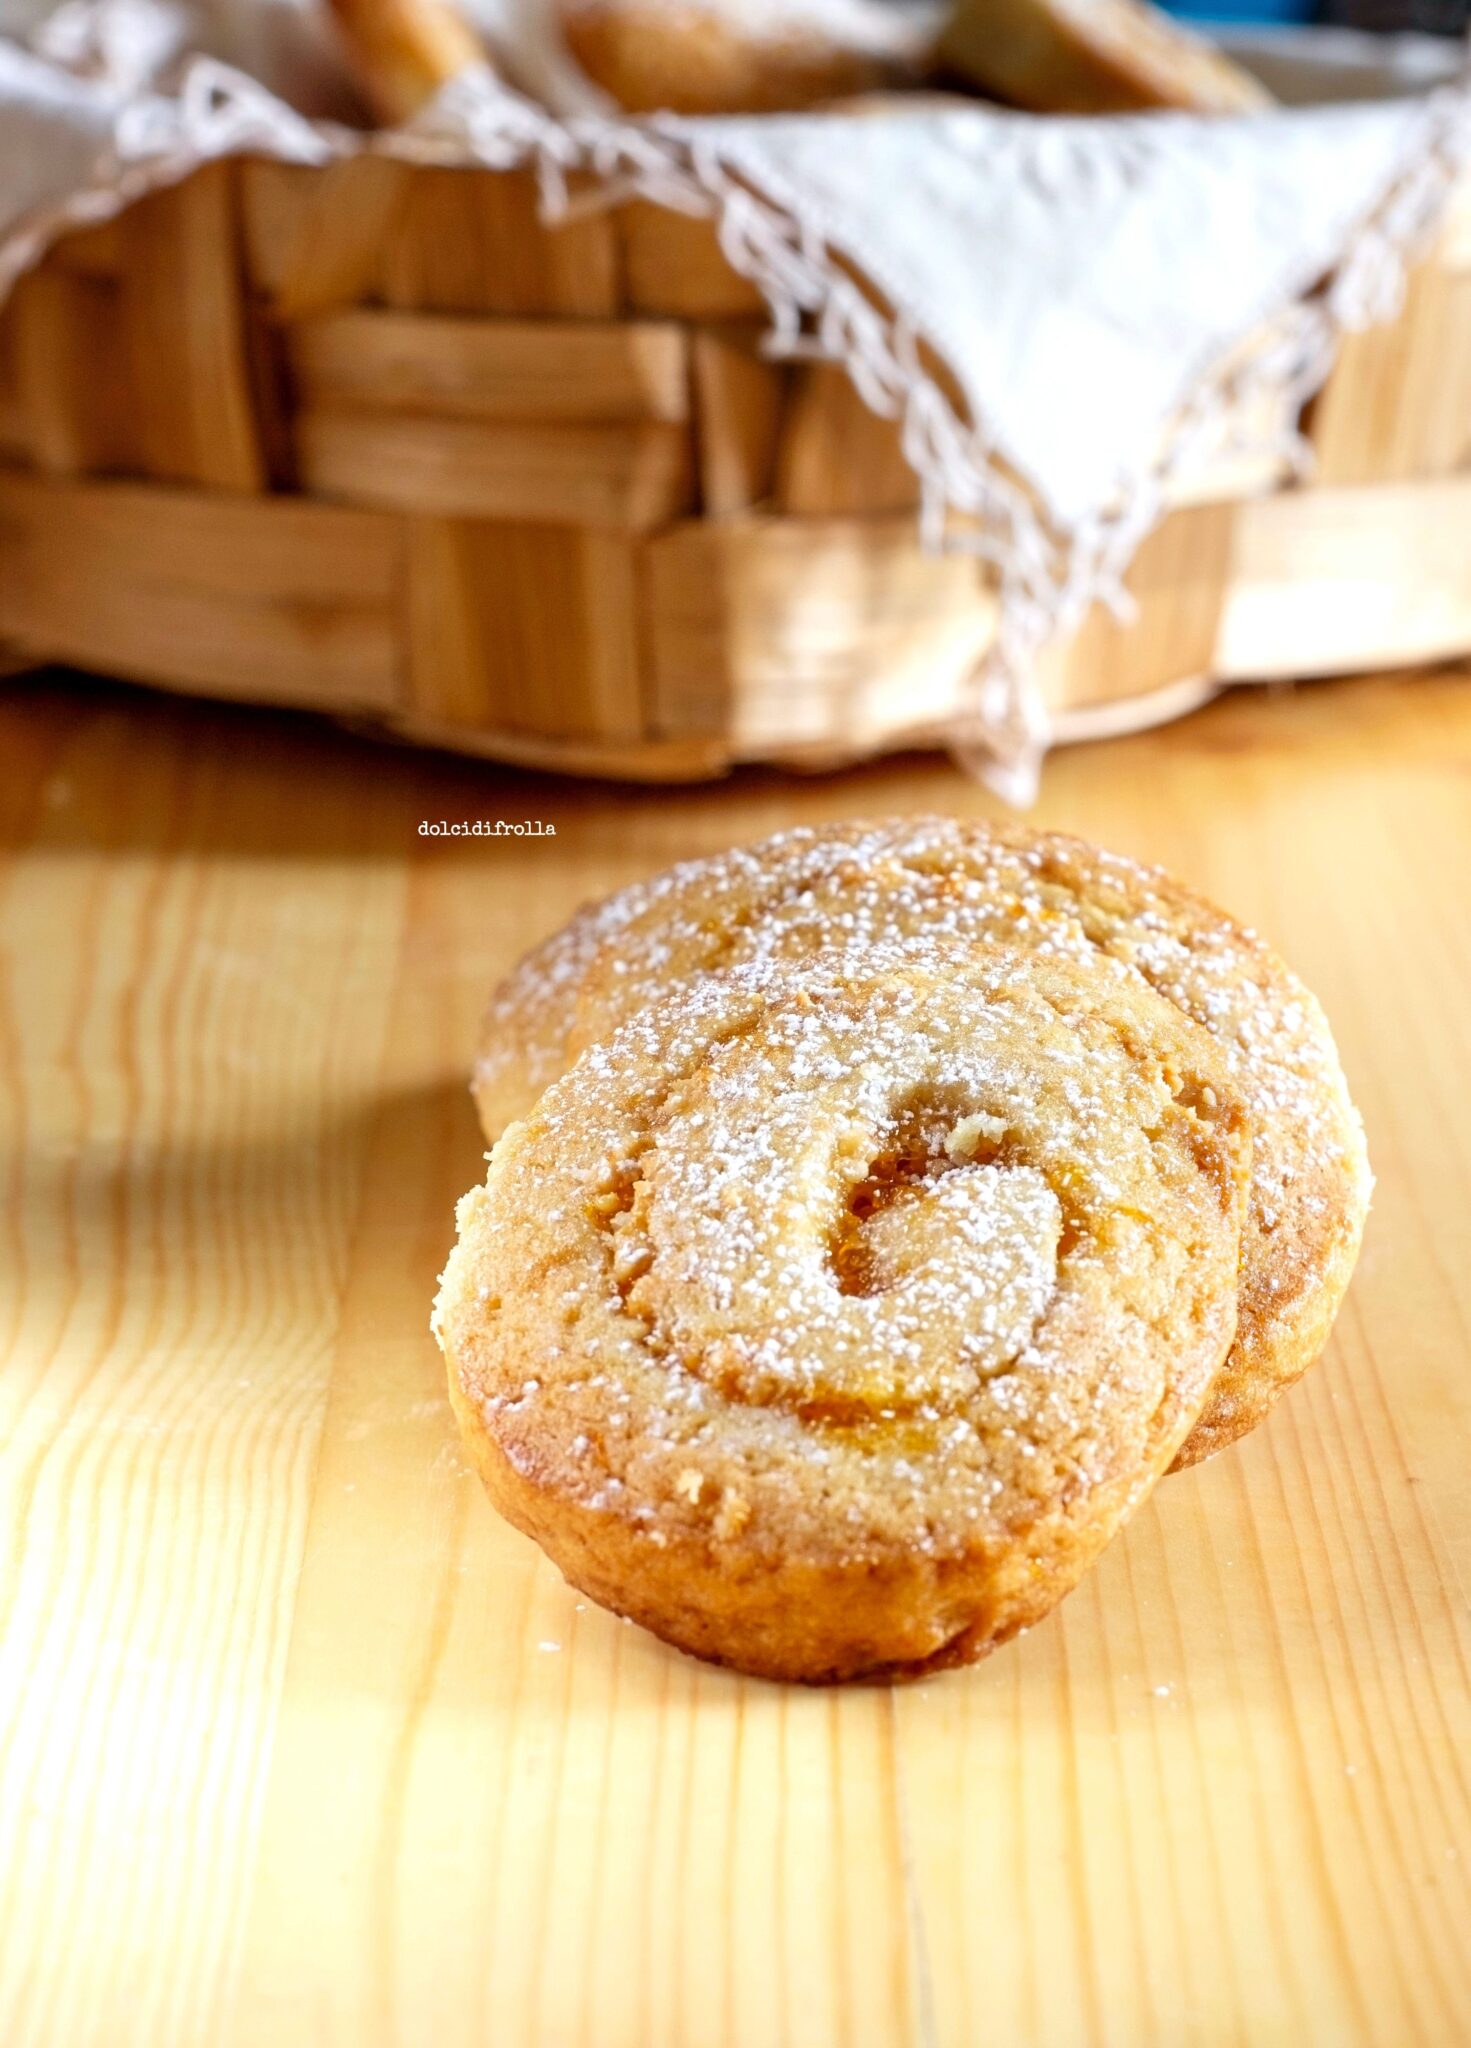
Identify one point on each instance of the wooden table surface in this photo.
(301, 1745)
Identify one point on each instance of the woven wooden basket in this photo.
(371, 439)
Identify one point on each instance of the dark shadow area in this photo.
(131, 1196)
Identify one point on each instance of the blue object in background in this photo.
(1377, 17)
(1237, 11)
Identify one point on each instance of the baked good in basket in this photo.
(829, 1321)
(403, 51)
(1093, 57)
(770, 56)
(799, 896)
(736, 57)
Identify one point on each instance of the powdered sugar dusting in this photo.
(812, 893)
(932, 1246)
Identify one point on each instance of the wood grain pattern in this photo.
(1319, 581)
(280, 599)
(298, 1744)
(520, 628)
(1177, 581)
(739, 398)
(837, 455)
(822, 631)
(184, 321)
(73, 383)
(1397, 402)
(314, 236)
(465, 243)
(628, 474)
(673, 265)
(534, 370)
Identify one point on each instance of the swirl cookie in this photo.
(829, 1324)
(801, 895)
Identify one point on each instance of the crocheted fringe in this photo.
(1048, 577)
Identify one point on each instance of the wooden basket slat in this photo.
(1398, 402)
(1453, 238)
(1178, 581)
(398, 451)
(744, 638)
(183, 327)
(465, 241)
(672, 265)
(15, 420)
(1340, 581)
(516, 627)
(313, 238)
(96, 251)
(740, 403)
(777, 632)
(272, 598)
(838, 458)
(632, 476)
(552, 372)
(73, 383)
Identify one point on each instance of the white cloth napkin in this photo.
(1082, 277)
(1092, 286)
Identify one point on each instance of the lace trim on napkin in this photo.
(1048, 577)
